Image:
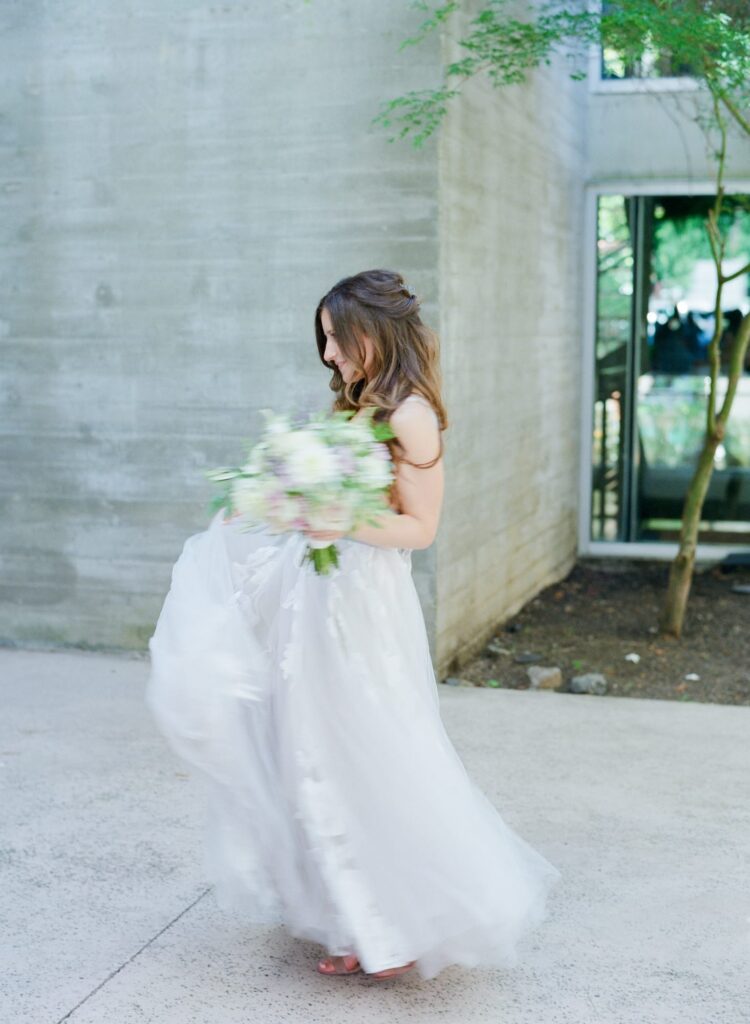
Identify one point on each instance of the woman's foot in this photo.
(347, 964)
(393, 972)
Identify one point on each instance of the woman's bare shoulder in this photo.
(415, 400)
(415, 423)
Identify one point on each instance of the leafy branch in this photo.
(507, 48)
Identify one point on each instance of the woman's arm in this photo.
(420, 490)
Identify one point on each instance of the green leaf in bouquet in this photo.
(219, 501)
(382, 431)
(222, 473)
(323, 559)
(382, 513)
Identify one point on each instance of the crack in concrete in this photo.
(137, 953)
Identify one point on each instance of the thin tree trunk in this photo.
(681, 569)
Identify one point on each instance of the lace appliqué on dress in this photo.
(378, 943)
(251, 575)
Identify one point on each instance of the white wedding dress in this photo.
(339, 806)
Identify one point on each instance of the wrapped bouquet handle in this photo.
(323, 554)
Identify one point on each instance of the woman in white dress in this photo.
(339, 806)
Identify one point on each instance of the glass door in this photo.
(654, 318)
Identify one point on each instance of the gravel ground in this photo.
(604, 611)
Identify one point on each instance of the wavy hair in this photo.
(406, 353)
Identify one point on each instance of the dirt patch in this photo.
(605, 610)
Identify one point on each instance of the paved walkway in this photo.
(107, 918)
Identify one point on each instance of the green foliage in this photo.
(679, 241)
(223, 500)
(418, 112)
(438, 16)
(708, 36)
(614, 274)
(383, 431)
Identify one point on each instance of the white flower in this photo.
(285, 441)
(336, 514)
(255, 460)
(275, 423)
(310, 463)
(248, 497)
(373, 471)
(359, 430)
(284, 511)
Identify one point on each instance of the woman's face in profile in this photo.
(333, 354)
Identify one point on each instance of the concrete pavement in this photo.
(107, 917)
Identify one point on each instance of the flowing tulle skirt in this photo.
(339, 806)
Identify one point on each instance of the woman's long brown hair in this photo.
(406, 353)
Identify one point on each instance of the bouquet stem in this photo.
(323, 558)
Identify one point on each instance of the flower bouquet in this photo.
(329, 473)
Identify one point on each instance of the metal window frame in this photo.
(663, 550)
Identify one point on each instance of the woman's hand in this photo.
(329, 535)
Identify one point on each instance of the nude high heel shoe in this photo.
(392, 972)
(347, 964)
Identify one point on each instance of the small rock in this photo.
(635, 658)
(741, 588)
(590, 682)
(543, 678)
(495, 647)
(653, 629)
(526, 658)
(692, 677)
(457, 681)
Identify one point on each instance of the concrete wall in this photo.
(181, 182)
(512, 168)
(653, 135)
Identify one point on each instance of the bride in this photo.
(338, 806)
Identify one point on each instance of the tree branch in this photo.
(741, 120)
(736, 363)
(737, 273)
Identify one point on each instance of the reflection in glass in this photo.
(652, 63)
(656, 287)
(613, 332)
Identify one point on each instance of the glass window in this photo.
(655, 317)
(652, 63)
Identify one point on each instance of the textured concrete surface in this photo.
(181, 183)
(512, 168)
(107, 918)
(671, 144)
